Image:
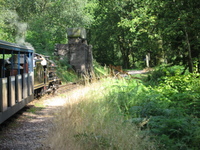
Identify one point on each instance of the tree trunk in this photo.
(198, 69)
(125, 52)
(190, 63)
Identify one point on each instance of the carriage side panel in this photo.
(11, 91)
(18, 87)
(25, 85)
(3, 94)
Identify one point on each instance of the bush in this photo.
(163, 71)
(99, 70)
(167, 111)
(65, 71)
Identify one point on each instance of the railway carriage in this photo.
(16, 78)
(24, 75)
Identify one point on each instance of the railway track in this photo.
(66, 88)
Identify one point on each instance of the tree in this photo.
(112, 40)
(47, 20)
(168, 27)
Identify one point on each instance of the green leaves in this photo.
(168, 111)
(168, 29)
(46, 21)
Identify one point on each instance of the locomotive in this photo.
(45, 78)
(24, 75)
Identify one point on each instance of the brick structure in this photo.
(77, 51)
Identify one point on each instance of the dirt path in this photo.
(136, 72)
(30, 129)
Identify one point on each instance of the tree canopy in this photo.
(42, 23)
(121, 32)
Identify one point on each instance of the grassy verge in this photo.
(161, 112)
(37, 107)
(91, 120)
(67, 74)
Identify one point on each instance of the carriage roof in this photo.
(8, 47)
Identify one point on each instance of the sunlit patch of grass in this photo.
(90, 122)
(37, 107)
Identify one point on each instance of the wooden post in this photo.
(147, 59)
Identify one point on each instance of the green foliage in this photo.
(99, 70)
(160, 72)
(37, 107)
(130, 29)
(121, 32)
(166, 114)
(168, 111)
(175, 132)
(65, 72)
(41, 23)
(68, 74)
(91, 122)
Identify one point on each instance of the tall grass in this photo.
(128, 114)
(67, 74)
(90, 121)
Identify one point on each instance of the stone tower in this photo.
(77, 51)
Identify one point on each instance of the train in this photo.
(24, 76)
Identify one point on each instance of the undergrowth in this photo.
(90, 121)
(154, 113)
(67, 73)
